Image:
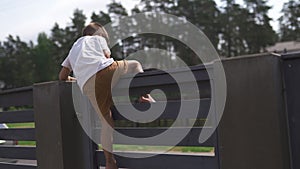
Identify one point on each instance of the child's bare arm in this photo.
(64, 74)
(106, 53)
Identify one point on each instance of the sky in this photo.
(27, 18)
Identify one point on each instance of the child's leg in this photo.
(107, 140)
(106, 120)
(134, 66)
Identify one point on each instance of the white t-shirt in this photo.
(86, 58)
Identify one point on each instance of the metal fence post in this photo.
(291, 67)
(61, 141)
(253, 132)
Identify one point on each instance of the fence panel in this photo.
(16, 105)
(175, 97)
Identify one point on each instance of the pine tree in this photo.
(16, 64)
(64, 38)
(204, 14)
(116, 11)
(289, 21)
(44, 66)
(232, 19)
(259, 32)
(102, 18)
(246, 30)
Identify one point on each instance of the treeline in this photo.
(233, 29)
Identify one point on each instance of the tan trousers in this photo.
(98, 87)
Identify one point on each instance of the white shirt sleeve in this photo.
(66, 63)
(104, 45)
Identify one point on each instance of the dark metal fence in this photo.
(147, 82)
(17, 108)
(258, 127)
(60, 112)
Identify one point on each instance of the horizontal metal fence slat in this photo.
(188, 138)
(171, 110)
(17, 97)
(191, 138)
(169, 161)
(163, 79)
(16, 166)
(16, 90)
(200, 74)
(26, 134)
(18, 152)
(196, 68)
(17, 116)
(203, 89)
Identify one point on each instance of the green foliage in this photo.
(116, 9)
(63, 38)
(245, 30)
(260, 33)
(16, 65)
(23, 64)
(233, 30)
(204, 14)
(102, 18)
(289, 21)
(44, 65)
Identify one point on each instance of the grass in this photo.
(20, 125)
(179, 149)
(193, 149)
(23, 125)
(119, 147)
(27, 143)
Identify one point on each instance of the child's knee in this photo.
(134, 63)
(135, 66)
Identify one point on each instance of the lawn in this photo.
(23, 125)
(119, 147)
(179, 149)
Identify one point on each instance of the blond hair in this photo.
(95, 28)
